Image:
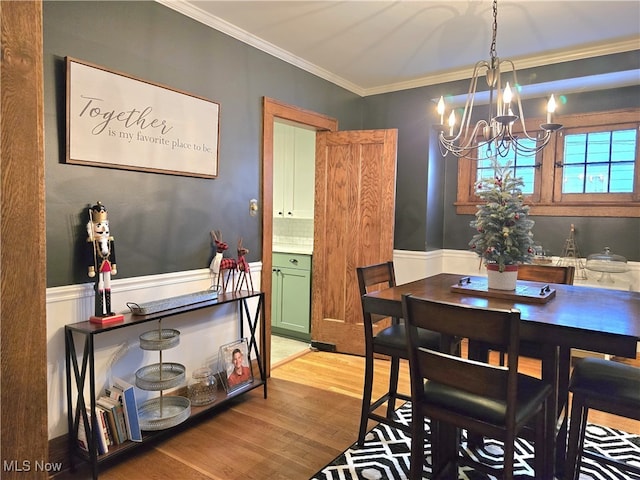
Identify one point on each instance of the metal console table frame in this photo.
(77, 369)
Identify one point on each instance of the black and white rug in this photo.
(385, 455)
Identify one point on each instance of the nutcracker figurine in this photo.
(101, 263)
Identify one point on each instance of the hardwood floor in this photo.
(310, 416)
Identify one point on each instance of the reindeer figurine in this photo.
(222, 268)
(244, 277)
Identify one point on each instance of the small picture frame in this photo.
(235, 365)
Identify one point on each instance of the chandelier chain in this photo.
(492, 50)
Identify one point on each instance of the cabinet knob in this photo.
(294, 261)
(289, 213)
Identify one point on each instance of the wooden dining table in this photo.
(594, 319)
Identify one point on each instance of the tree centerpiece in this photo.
(503, 235)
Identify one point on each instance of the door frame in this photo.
(272, 109)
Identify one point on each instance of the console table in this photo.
(80, 369)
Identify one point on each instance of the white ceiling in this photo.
(374, 47)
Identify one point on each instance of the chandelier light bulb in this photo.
(507, 97)
(551, 107)
(441, 110)
(452, 122)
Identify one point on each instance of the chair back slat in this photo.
(376, 277)
(476, 377)
(547, 273)
(462, 321)
(373, 278)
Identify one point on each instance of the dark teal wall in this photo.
(161, 223)
(427, 184)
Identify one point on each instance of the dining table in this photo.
(599, 320)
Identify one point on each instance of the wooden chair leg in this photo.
(509, 449)
(544, 455)
(577, 429)
(393, 386)
(445, 443)
(366, 398)
(417, 446)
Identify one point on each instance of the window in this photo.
(591, 168)
(521, 166)
(599, 162)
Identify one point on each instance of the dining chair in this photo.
(389, 341)
(562, 274)
(606, 386)
(490, 400)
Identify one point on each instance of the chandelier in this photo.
(494, 136)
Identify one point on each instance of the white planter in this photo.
(502, 280)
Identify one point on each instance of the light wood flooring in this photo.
(310, 416)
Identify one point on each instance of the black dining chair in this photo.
(389, 341)
(490, 400)
(606, 386)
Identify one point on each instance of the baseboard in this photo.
(323, 346)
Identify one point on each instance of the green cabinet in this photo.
(294, 152)
(291, 295)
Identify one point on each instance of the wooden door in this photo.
(354, 219)
(274, 109)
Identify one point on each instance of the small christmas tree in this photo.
(503, 229)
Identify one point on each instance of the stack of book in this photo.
(116, 418)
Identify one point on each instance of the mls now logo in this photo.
(28, 466)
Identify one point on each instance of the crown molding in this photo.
(591, 83)
(242, 35)
(548, 58)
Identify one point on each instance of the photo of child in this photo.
(237, 364)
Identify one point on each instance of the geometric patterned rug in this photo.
(385, 455)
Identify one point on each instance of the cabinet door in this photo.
(303, 182)
(291, 295)
(293, 171)
(296, 299)
(282, 161)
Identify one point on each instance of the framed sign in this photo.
(119, 121)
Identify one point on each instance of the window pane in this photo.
(573, 179)
(527, 175)
(624, 146)
(598, 147)
(575, 147)
(597, 179)
(599, 162)
(621, 178)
